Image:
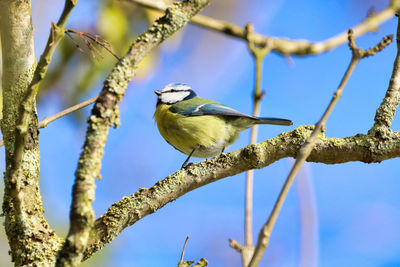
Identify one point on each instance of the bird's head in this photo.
(174, 93)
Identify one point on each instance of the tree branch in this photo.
(89, 39)
(105, 114)
(285, 46)
(128, 210)
(30, 237)
(43, 123)
(56, 34)
(235, 245)
(258, 53)
(201, 263)
(305, 150)
(387, 109)
(183, 252)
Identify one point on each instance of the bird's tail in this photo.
(275, 121)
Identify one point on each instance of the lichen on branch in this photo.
(386, 111)
(130, 209)
(105, 113)
(29, 235)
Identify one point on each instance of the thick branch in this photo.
(285, 46)
(386, 111)
(30, 237)
(55, 35)
(105, 113)
(130, 209)
(43, 123)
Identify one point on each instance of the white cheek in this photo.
(173, 97)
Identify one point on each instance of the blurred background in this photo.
(335, 215)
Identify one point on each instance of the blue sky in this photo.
(358, 205)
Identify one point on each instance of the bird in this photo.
(200, 127)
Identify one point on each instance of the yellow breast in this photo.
(208, 134)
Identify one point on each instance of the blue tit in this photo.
(199, 127)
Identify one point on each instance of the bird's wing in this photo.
(212, 109)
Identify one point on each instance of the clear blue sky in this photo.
(358, 204)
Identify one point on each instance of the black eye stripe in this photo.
(174, 91)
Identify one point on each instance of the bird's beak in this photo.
(157, 92)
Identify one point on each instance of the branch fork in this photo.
(308, 146)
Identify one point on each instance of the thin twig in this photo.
(183, 251)
(88, 37)
(305, 150)
(201, 263)
(280, 45)
(235, 245)
(43, 123)
(105, 113)
(77, 46)
(258, 53)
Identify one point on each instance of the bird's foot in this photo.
(185, 164)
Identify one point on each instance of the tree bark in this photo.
(31, 240)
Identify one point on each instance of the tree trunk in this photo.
(31, 241)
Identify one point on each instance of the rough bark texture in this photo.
(387, 109)
(105, 113)
(127, 211)
(31, 240)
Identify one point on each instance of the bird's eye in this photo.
(170, 91)
(174, 91)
